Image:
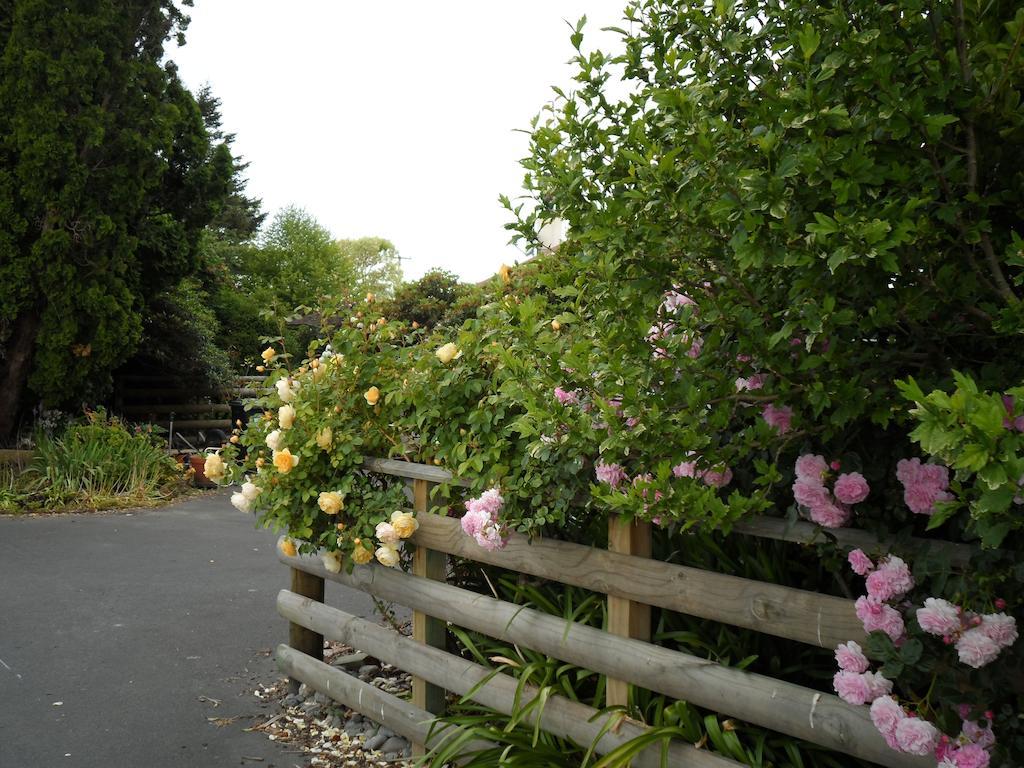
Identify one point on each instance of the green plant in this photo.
(101, 464)
(519, 743)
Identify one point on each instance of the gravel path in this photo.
(137, 639)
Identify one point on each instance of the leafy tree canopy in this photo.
(107, 179)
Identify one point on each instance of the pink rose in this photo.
(860, 562)
(810, 494)
(674, 300)
(474, 521)
(920, 498)
(878, 685)
(890, 580)
(851, 488)
(830, 515)
(489, 502)
(939, 617)
(492, 536)
(970, 756)
(717, 478)
(876, 616)
(811, 468)
(976, 649)
(975, 734)
(916, 736)
(1000, 629)
(685, 469)
(886, 714)
(851, 658)
(852, 687)
(696, 345)
(566, 398)
(613, 474)
(778, 418)
(923, 485)
(754, 382)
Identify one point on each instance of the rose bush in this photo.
(790, 208)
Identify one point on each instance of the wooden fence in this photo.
(178, 406)
(632, 583)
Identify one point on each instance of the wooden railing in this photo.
(632, 582)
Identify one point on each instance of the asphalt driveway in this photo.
(122, 635)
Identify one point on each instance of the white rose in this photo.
(240, 502)
(331, 561)
(250, 490)
(274, 440)
(286, 416)
(387, 556)
(386, 534)
(286, 389)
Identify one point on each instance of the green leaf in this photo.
(809, 40)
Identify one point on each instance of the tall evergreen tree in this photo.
(107, 179)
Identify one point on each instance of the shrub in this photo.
(793, 207)
(100, 464)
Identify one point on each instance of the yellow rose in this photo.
(284, 461)
(213, 467)
(286, 416)
(360, 554)
(260, 462)
(324, 438)
(331, 502)
(331, 561)
(387, 556)
(447, 353)
(555, 325)
(372, 395)
(268, 354)
(260, 369)
(288, 547)
(506, 273)
(404, 523)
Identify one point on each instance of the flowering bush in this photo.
(769, 228)
(944, 707)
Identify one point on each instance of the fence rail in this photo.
(633, 582)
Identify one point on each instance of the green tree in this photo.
(107, 180)
(190, 329)
(294, 263)
(437, 298)
(376, 263)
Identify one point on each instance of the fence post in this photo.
(626, 618)
(301, 639)
(430, 564)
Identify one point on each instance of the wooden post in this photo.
(626, 618)
(301, 639)
(428, 564)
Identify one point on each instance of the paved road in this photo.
(112, 628)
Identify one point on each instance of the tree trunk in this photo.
(17, 365)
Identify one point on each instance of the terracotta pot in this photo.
(199, 478)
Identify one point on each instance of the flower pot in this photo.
(199, 478)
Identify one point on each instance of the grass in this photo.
(96, 465)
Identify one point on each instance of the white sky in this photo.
(390, 119)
